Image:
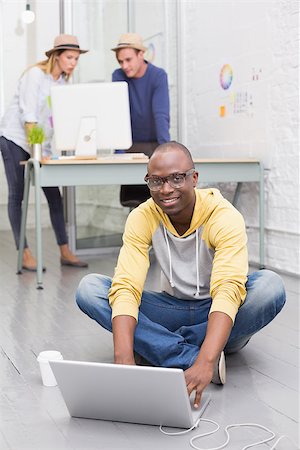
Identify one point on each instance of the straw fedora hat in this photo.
(130, 40)
(65, 42)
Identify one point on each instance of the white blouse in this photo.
(31, 103)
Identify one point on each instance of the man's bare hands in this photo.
(129, 361)
(200, 374)
(123, 332)
(197, 377)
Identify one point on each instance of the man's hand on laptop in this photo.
(200, 374)
(197, 377)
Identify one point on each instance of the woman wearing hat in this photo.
(31, 106)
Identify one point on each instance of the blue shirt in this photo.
(149, 104)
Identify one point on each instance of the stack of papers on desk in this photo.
(126, 156)
(77, 157)
(114, 156)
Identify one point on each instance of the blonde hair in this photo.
(47, 65)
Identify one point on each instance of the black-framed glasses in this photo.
(175, 180)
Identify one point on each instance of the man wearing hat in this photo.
(149, 104)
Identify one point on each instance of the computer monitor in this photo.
(90, 117)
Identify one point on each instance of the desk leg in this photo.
(262, 218)
(28, 169)
(38, 225)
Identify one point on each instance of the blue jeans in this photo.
(170, 331)
(12, 154)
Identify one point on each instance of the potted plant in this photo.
(36, 137)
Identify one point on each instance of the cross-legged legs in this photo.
(170, 331)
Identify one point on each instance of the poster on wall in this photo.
(231, 109)
(155, 53)
(228, 78)
(238, 101)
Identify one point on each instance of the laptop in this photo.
(136, 394)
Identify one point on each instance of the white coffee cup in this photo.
(43, 359)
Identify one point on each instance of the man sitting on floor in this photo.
(207, 302)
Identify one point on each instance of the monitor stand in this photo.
(87, 142)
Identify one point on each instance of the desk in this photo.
(72, 172)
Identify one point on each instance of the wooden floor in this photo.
(262, 386)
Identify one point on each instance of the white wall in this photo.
(14, 57)
(99, 23)
(260, 42)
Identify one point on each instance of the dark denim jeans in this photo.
(12, 154)
(170, 331)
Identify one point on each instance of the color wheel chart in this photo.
(155, 49)
(150, 53)
(226, 76)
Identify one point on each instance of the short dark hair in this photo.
(173, 145)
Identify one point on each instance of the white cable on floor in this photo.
(279, 439)
(177, 433)
(235, 425)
